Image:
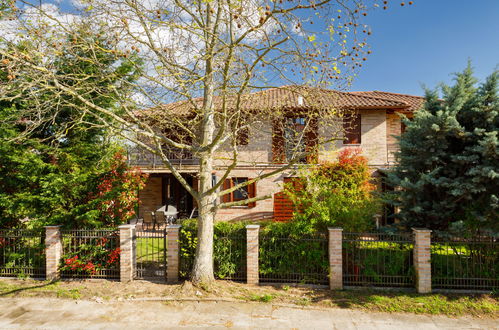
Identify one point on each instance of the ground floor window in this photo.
(245, 192)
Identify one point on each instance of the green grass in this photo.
(447, 304)
(150, 249)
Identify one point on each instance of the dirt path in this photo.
(49, 313)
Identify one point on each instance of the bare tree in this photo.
(197, 63)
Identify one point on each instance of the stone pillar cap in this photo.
(421, 229)
(52, 227)
(126, 226)
(252, 226)
(334, 228)
(173, 226)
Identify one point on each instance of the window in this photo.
(246, 192)
(295, 137)
(352, 129)
(241, 193)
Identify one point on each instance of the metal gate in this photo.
(150, 254)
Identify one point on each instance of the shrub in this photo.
(229, 249)
(336, 194)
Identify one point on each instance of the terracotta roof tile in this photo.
(414, 102)
(302, 97)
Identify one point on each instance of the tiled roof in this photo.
(414, 102)
(302, 97)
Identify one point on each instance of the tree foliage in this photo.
(63, 171)
(448, 163)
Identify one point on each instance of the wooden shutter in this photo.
(278, 155)
(242, 137)
(352, 129)
(252, 193)
(227, 197)
(311, 141)
(195, 186)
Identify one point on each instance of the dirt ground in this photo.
(482, 305)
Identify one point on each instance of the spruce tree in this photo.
(448, 166)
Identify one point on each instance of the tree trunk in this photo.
(202, 272)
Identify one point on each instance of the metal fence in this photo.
(375, 259)
(150, 258)
(465, 263)
(229, 254)
(22, 253)
(90, 253)
(293, 260)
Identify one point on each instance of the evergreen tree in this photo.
(51, 178)
(448, 163)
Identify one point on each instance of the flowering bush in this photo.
(336, 194)
(90, 259)
(116, 195)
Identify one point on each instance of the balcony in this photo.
(141, 158)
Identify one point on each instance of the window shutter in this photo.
(227, 197)
(277, 142)
(252, 193)
(195, 186)
(352, 129)
(311, 141)
(242, 137)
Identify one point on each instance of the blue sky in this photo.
(428, 41)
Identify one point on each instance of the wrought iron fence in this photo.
(90, 253)
(229, 254)
(22, 253)
(293, 260)
(150, 258)
(375, 259)
(465, 263)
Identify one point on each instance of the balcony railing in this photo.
(142, 158)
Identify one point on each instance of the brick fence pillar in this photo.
(252, 273)
(126, 255)
(335, 258)
(173, 249)
(53, 252)
(422, 261)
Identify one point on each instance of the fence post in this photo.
(126, 253)
(173, 249)
(422, 259)
(252, 273)
(335, 258)
(53, 250)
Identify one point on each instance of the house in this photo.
(372, 123)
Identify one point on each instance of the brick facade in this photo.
(255, 159)
(151, 196)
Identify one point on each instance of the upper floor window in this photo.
(295, 138)
(352, 129)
